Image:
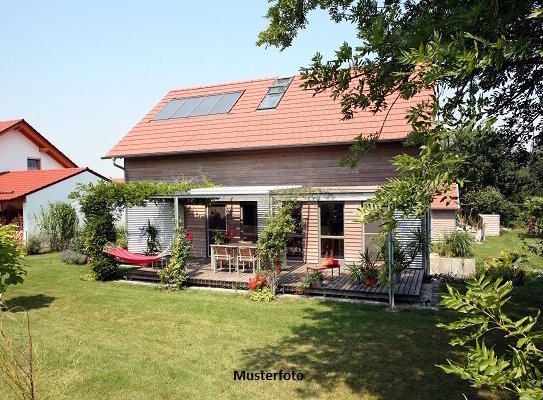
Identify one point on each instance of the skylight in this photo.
(275, 93)
(197, 106)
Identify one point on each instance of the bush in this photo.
(264, 294)
(104, 267)
(175, 273)
(533, 215)
(456, 244)
(33, 245)
(11, 270)
(258, 282)
(508, 267)
(122, 239)
(489, 200)
(77, 243)
(58, 224)
(73, 257)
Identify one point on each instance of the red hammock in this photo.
(127, 257)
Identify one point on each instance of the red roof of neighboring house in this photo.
(300, 119)
(44, 145)
(16, 184)
(448, 200)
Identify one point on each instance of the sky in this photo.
(83, 73)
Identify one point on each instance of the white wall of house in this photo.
(57, 192)
(15, 148)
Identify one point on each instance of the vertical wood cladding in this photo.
(353, 232)
(195, 223)
(308, 166)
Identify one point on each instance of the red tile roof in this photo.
(448, 200)
(300, 119)
(5, 125)
(45, 145)
(16, 184)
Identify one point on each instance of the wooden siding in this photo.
(195, 223)
(353, 232)
(443, 223)
(308, 166)
(310, 221)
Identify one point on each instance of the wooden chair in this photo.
(222, 253)
(247, 255)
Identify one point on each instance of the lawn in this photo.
(508, 241)
(121, 341)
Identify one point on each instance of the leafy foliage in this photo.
(489, 200)
(367, 268)
(122, 240)
(102, 204)
(515, 367)
(175, 273)
(484, 62)
(11, 270)
(150, 232)
(264, 294)
(533, 215)
(273, 239)
(507, 266)
(58, 224)
(33, 245)
(456, 244)
(73, 257)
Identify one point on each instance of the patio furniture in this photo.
(328, 264)
(221, 254)
(246, 255)
(127, 257)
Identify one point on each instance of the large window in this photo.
(295, 248)
(33, 163)
(371, 231)
(249, 221)
(332, 225)
(216, 221)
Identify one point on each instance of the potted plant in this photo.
(371, 274)
(218, 237)
(316, 279)
(228, 235)
(303, 286)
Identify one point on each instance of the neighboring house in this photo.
(33, 173)
(257, 138)
(444, 210)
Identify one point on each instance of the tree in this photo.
(11, 270)
(483, 59)
(501, 353)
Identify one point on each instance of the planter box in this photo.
(458, 267)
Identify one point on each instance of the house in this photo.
(33, 172)
(443, 212)
(261, 139)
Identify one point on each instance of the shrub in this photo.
(258, 282)
(489, 200)
(33, 245)
(508, 267)
(366, 269)
(104, 267)
(316, 279)
(58, 224)
(73, 257)
(303, 286)
(122, 239)
(77, 243)
(264, 294)
(456, 244)
(175, 273)
(533, 215)
(11, 270)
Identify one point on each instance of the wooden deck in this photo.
(201, 274)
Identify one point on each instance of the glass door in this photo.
(216, 222)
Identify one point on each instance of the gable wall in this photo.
(15, 148)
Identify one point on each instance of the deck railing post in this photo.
(390, 263)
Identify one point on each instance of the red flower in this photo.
(189, 236)
(258, 282)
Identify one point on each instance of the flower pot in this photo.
(370, 281)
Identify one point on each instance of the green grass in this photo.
(119, 341)
(508, 241)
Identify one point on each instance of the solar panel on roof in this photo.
(198, 106)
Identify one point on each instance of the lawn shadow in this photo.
(27, 303)
(369, 352)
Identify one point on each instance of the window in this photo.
(216, 221)
(275, 93)
(33, 163)
(249, 222)
(332, 239)
(220, 103)
(295, 248)
(371, 231)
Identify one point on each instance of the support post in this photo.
(390, 263)
(176, 211)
